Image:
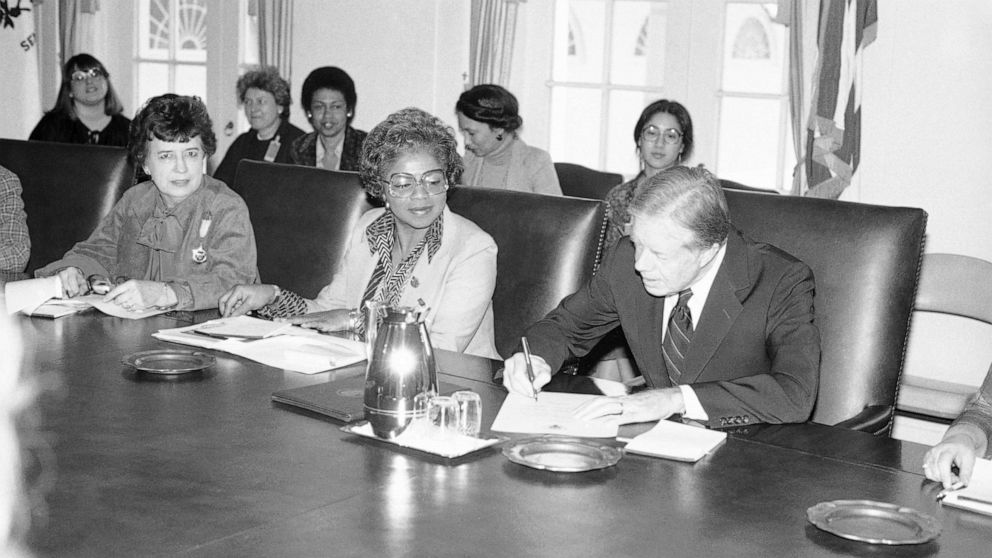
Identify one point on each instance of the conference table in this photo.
(205, 464)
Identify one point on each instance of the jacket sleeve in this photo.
(15, 243)
(98, 253)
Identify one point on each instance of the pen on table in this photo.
(530, 365)
(943, 493)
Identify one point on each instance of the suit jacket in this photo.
(755, 353)
(248, 146)
(304, 149)
(457, 284)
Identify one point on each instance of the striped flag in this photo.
(20, 96)
(833, 149)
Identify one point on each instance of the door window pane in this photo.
(755, 51)
(637, 56)
(579, 30)
(575, 118)
(153, 79)
(191, 34)
(750, 145)
(625, 108)
(191, 80)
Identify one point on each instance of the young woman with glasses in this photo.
(412, 252)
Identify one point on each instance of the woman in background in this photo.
(177, 241)
(87, 109)
(412, 252)
(663, 137)
(969, 436)
(266, 99)
(329, 99)
(495, 155)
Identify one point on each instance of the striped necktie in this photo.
(678, 335)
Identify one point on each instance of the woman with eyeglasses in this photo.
(177, 241)
(87, 109)
(412, 252)
(495, 156)
(663, 136)
(328, 98)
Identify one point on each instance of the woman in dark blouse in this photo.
(87, 109)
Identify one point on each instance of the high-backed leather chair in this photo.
(548, 247)
(865, 260)
(303, 217)
(731, 185)
(67, 189)
(578, 181)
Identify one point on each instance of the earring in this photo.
(499, 137)
(349, 115)
(387, 206)
(309, 115)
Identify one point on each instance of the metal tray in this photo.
(169, 361)
(874, 522)
(562, 454)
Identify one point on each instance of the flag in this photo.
(20, 96)
(834, 127)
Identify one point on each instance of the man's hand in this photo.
(241, 299)
(139, 294)
(650, 405)
(515, 374)
(73, 282)
(956, 449)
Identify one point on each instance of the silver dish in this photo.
(874, 522)
(562, 454)
(169, 361)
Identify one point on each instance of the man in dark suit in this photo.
(721, 327)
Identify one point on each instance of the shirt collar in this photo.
(379, 235)
(701, 288)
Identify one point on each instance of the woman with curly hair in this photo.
(328, 98)
(265, 96)
(495, 156)
(177, 241)
(87, 109)
(412, 252)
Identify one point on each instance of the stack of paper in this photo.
(552, 413)
(673, 440)
(977, 496)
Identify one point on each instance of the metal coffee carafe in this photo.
(401, 366)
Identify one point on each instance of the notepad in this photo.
(977, 496)
(673, 440)
(552, 413)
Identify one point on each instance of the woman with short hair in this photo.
(412, 252)
(87, 109)
(329, 100)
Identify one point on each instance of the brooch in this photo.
(199, 254)
(414, 282)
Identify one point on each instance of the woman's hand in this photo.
(73, 282)
(330, 320)
(954, 450)
(241, 299)
(137, 294)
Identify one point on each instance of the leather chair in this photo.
(865, 260)
(578, 181)
(303, 217)
(548, 247)
(952, 285)
(731, 185)
(68, 188)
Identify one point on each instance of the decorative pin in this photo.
(199, 254)
(414, 282)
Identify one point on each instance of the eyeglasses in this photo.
(93, 73)
(653, 134)
(402, 184)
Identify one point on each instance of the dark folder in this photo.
(342, 399)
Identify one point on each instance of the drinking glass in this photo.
(442, 412)
(469, 412)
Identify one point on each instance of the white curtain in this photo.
(275, 35)
(494, 23)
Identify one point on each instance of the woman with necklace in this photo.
(329, 99)
(87, 109)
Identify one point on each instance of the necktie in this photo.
(678, 335)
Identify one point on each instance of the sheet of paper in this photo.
(112, 309)
(25, 296)
(977, 496)
(245, 327)
(673, 440)
(552, 413)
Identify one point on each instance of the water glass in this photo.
(442, 412)
(469, 412)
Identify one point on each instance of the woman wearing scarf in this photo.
(177, 241)
(413, 252)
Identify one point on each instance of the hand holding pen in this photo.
(516, 377)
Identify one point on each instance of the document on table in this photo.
(674, 440)
(977, 496)
(552, 413)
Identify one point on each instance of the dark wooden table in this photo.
(209, 466)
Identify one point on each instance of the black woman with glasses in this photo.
(663, 138)
(87, 109)
(412, 252)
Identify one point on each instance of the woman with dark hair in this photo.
(495, 155)
(177, 241)
(265, 96)
(87, 109)
(663, 138)
(412, 252)
(329, 99)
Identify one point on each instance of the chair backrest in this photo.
(865, 260)
(956, 284)
(548, 247)
(578, 181)
(303, 217)
(68, 189)
(731, 185)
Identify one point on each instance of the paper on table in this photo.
(552, 413)
(673, 440)
(28, 294)
(119, 312)
(977, 496)
(245, 327)
(455, 445)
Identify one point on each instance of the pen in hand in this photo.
(530, 365)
